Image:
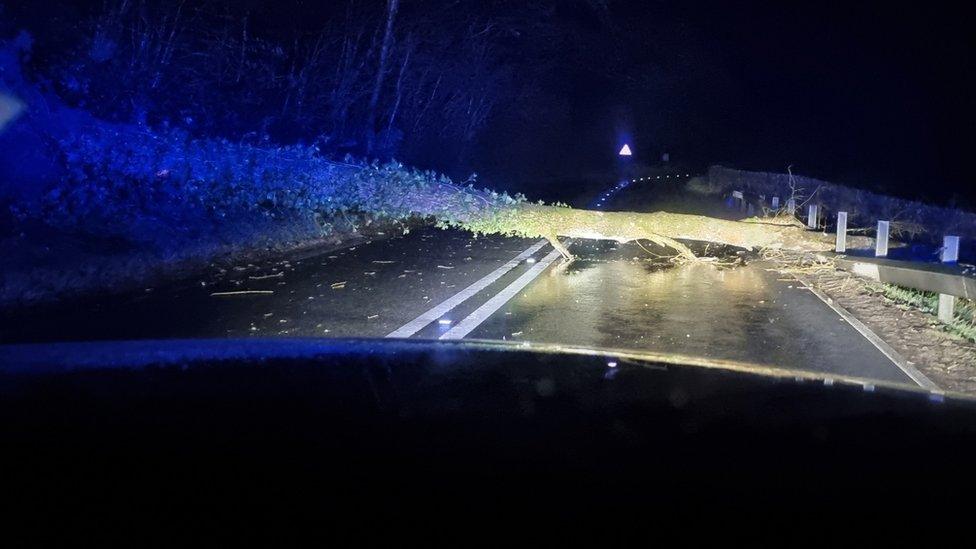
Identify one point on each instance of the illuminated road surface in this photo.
(614, 296)
(609, 299)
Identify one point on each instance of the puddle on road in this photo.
(699, 309)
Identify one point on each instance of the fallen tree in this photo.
(662, 228)
(487, 212)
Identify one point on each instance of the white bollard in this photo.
(841, 246)
(813, 212)
(881, 243)
(947, 306)
(791, 206)
(775, 202)
(950, 249)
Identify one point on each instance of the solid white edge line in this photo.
(443, 307)
(482, 313)
(893, 355)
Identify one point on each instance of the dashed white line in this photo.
(442, 308)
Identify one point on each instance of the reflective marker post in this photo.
(791, 206)
(950, 254)
(813, 212)
(881, 243)
(841, 245)
(947, 307)
(775, 203)
(950, 249)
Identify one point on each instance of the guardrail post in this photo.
(881, 242)
(775, 203)
(791, 206)
(947, 306)
(950, 249)
(750, 210)
(841, 246)
(813, 212)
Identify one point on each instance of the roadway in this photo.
(446, 284)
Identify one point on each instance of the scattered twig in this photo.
(243, 292)
(276, 275)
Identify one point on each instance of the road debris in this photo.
(242, 292)
(263, 277)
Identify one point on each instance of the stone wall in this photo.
(864, 208)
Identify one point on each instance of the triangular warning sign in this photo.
(625, 151)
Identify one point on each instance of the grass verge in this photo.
(964, 318)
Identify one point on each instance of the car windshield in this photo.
(758, 184)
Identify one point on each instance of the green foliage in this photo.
(163, 188)
(392, 191)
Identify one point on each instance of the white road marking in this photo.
(482, 313)
(442, 308)
(893, 355)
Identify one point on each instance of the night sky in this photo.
(875, 95)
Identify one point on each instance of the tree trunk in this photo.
(662, 228)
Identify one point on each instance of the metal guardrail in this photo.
(938, 278)
(950, 283)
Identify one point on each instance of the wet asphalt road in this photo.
(614, 296)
